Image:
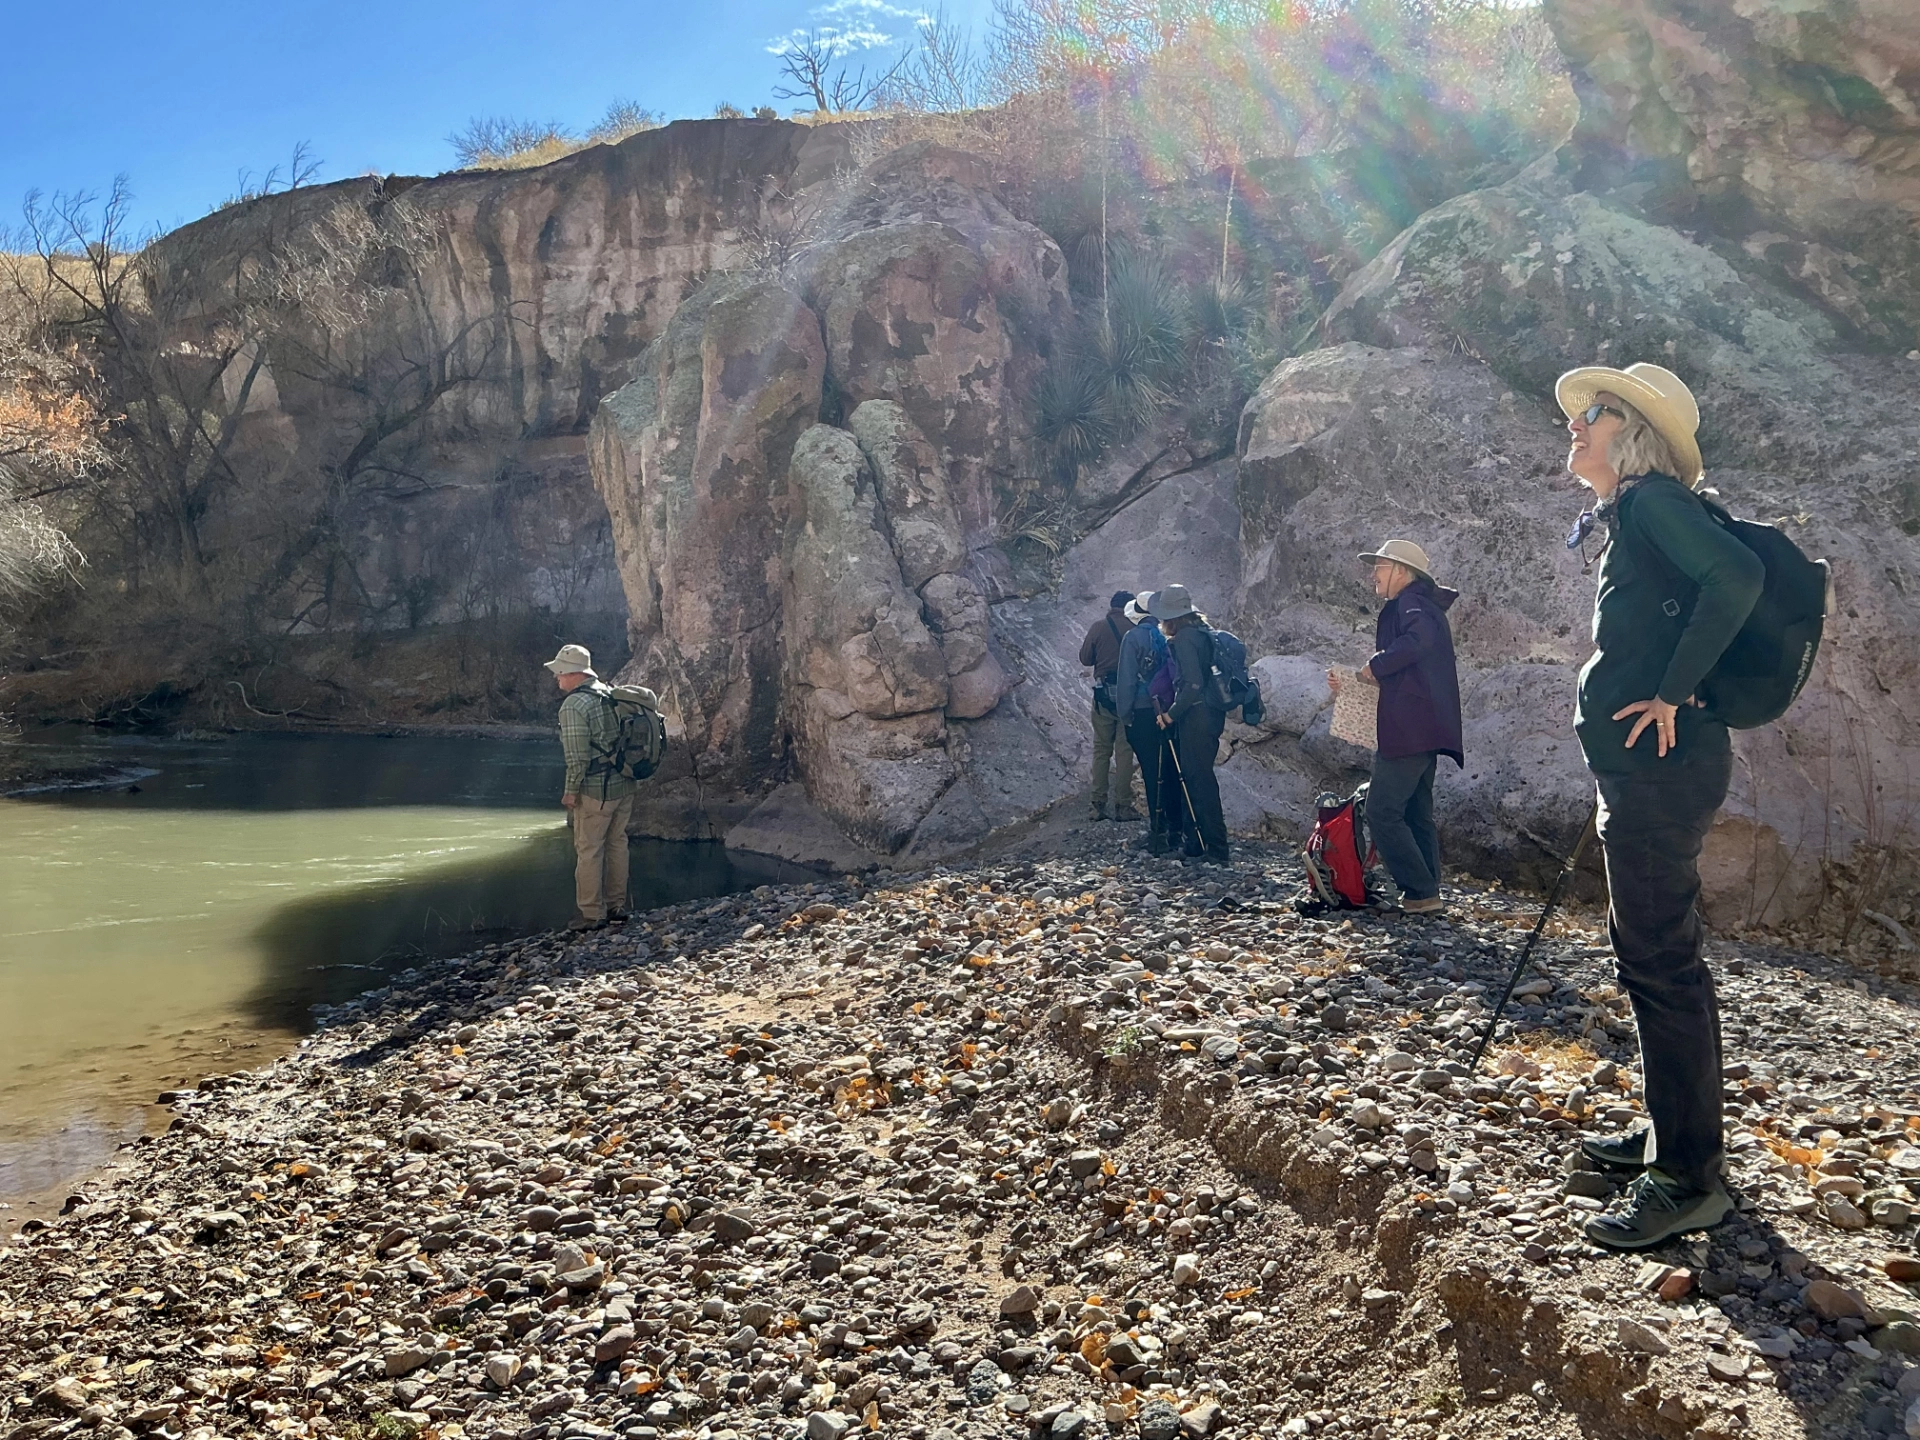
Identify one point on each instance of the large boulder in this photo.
(1534, 279)
(691, 459)
(827, 603)
(866, 681)
(918, 515)
(1794, 129)
(909, 316)
(1346, 445)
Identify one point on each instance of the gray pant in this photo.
(1652, 825)
(1400, 815)
(1108, 754)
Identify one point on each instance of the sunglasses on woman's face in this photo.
(1594, 411)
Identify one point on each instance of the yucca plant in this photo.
(1073, 421)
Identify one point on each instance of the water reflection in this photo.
(186, 921)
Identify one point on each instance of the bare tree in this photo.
(942, 73)
(494, 140)
(814, 70)
(622, 119)
(200, 338)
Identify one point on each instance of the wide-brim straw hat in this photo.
(1404, 552)
(1657, 393)
(1170, 602)
(1140, 607)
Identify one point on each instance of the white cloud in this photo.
(848, 27)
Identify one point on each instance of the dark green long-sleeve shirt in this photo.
(1658, 628)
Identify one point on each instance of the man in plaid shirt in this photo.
(599, 797)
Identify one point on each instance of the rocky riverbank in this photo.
(1054, 1146)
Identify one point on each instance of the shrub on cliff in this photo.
(495, 142)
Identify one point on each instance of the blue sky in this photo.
(183, 96)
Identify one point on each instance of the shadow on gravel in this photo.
(328, 948)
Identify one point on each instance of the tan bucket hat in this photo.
(572, 660)
(1405, 552)
(1657, 393)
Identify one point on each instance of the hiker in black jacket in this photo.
(1674, 589)
(1197, 716)
(1141, 654)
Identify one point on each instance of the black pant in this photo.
(1400, 815)
(1196, 741)
(1149, 744)
(1652, 825)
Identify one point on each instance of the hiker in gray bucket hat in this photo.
(1194, 720)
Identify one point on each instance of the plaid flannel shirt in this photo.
(588, 734)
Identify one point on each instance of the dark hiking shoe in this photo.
(581, 923)
(1431, 905)
(1657, 1210)
(1158, 844)
(1622, 1152)
(1097, 812)
(1129, 813)
(617, 917)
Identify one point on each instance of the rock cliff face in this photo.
(1430, 415)
(812, 597)
(1793, 129)
(800, 388)
(534, 295)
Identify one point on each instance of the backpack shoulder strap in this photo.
(1629, 530)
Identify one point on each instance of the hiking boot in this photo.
(1621, 1152)
(582, 924)
(1432, 905)
(1157, 843)
(1097, 812)
(1126, 813)
(617, 917)
(1657, 1210)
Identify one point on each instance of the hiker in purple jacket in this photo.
(1419, 718)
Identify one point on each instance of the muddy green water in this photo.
(184, 919)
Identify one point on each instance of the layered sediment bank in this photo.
(1059, 1145)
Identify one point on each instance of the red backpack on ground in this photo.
(1338, 854)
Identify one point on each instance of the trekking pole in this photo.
(1567, 868)
(1173, 757)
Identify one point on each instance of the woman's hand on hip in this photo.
(1658, 713)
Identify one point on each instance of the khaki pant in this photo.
(600, 855)
(1106, 754)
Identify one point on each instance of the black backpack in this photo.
(1766, 665)
(1240, 690)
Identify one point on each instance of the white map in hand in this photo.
(1356, 710)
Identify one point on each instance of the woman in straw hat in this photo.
(1674, 589)
(1419, 718)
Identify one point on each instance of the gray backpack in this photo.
(640, 736)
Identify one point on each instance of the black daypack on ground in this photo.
(641, 737)
(1763, 669)
(1241, 690)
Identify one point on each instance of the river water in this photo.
(184, 918)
